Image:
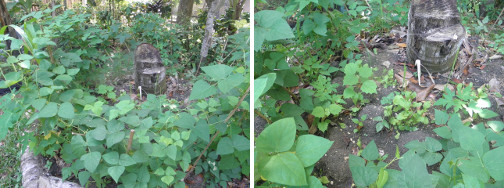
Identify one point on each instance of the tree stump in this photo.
(150, 72)
(434, 34)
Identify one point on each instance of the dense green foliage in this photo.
(70, 113)
(301, 46)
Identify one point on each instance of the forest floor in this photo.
(480, 68)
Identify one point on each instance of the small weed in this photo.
(357, 76)
(403, 113)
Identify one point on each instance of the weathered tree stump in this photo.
(434, 34)
(150, 72)
(36, 176)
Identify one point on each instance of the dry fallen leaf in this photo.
(458, 81)
(465, 72)
(401, 45)
(413, 80)
(408, 74)
(422, 95)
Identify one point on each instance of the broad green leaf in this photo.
(414, 170)
(202, 130)
(167, 179)
(100, 133)
(396, 179)
(240, 143)
(496, 126)
(310, 148)
(72, 72)
(262, 85)
(201, 89)
(44, 91)
(84, 177)
(318, 112)
(441, 117)
(64, 78)
(473, 166)
(185, 135)
(471, 140)
(321, 23)
(114, 138)
(349, 92)
(369, 87)
(277, 137)
(443, 132)
(363, 176)
(350, 79)
(6, 122)
(217, 72)
(432, 144)
(230, 82)
(431, 158)
(487, 114)
(370, 153)
(284, 168)
(185, 120)
(66, 110)
(169, 171)
(132, 120)
(126, 160)
(270, 26)
(125, 106)
(115, 172)
(335, 109)
(225, 146)
(308, 26)
(291, 110)
(494, 163)
(39, 103)
(59, 70)
(68, 59)
(11, 78)
(171, 151)
(314, 182)
(322, 126)
(228, 162)
(49, 110)
(382, 178)
(25, 64)
(351, 68)
(111, 158)
(287, 78)
(113, 114)
(365, 71)
(91, 160)
(471, 181)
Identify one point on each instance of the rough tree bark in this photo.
(213, 10)
(238, 8)
(4, 14)
(184, 12)
(434, 34)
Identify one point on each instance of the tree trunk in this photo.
(238, 9)
(52, 6)
(4, 14)
(184, 12)
(213, 10)
(434, 34)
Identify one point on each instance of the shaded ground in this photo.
(334, 164)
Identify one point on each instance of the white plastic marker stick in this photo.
(140, 89)
(419, 69)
